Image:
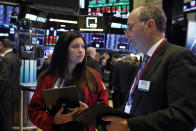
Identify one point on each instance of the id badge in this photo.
(127, 108)
(144, 85)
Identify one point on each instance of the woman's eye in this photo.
(75, 46)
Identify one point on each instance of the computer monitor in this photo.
(119, 8)
(118, 41)
(96, 40)
(6, 13)
(38, 36)
(52, 35)
(191, 37)
(8, 31)
(47, 50)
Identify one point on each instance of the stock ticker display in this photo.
(6, 13)
(119, 8)
(52, 36)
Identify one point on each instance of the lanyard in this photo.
(133, 89)
(58, 82)
(146, 66)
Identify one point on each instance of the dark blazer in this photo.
(9, 88)
(170, 104)
(122, 76)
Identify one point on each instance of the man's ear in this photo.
(150, 25)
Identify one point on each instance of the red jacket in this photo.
(37, 108)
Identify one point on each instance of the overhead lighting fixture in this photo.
(118, 25)
(62, 30)
(62, 25)
(115, 25)
(63, 21)
(85, 29)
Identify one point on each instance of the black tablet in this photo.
(66, 97)
(93, 114)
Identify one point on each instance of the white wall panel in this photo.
(137, 3)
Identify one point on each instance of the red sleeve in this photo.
(101, 90)
(37, 108)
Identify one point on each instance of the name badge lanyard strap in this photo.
(145, 67)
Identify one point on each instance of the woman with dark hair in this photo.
(67, 67)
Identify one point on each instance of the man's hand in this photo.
(117, 123)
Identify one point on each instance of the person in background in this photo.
(127, 58)
(134, 60)
(163, 95)
(9, 84)
(97, 56)
(68, 67)
(105, 60)
(91, 61)
(122, 74)
(106, 66)
(45, 64)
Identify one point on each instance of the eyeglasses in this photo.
(127, 30)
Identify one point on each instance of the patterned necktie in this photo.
(144, 62)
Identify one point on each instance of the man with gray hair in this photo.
(162, 97)
(91, 61)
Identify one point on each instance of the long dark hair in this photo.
(82, 75)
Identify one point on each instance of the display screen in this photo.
(50, 38)
(28, 48)
(8, 31)
(116, 41)
(52, 35)
(189, 6)
(96, 40)
(38, 36)
(47, 50)
(59, 33)
(191, 37)
(120, 8)
(6, 13)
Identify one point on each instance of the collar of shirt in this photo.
(153, 48)
(6, 52)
